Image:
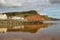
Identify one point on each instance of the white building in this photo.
(17, 18)
(3, 16)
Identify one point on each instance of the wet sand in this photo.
(29, 36)
(50, 33)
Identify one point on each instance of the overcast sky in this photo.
(49, 7)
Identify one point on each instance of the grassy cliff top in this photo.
(24, 13)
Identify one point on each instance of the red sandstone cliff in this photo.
(35, 17)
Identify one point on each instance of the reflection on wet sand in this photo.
(40, 32)
(28, 28)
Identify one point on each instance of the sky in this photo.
(43, 7)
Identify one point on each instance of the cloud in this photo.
(55, 1)
(43, 13)
(15, 2)
(10, 3)
(21, 2)
(55, 11)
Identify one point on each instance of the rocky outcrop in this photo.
(46, 17)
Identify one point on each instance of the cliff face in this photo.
(35, 17)
(31, 15)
